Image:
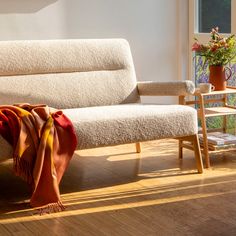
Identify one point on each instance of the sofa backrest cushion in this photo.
(67, 73)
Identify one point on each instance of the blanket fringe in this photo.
(51, 208)
(23, 169)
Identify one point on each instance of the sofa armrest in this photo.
(172, 88)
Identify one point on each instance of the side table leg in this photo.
(204, 131)
(225, 117)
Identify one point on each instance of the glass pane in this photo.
(214, 13)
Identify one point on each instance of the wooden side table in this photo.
(204, 112)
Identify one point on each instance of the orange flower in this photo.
(214, 48)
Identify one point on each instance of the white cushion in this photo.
(170, 88)
(119, 124)
(67, 73)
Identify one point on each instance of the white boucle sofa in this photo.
(94, 83)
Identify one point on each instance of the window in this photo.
(203, 16)
(213, 13)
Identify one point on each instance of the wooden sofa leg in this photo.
(197, 152)
(196, 148)
(138, 147)
(180, 149)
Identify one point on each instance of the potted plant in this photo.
(218, 52)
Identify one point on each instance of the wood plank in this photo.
(106, 194)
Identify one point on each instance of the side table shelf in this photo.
(201, 99)
(219, 111)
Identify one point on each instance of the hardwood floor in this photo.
(116, 191)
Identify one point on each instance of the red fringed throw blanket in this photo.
(43, 141)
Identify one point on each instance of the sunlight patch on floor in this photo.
(114, 207)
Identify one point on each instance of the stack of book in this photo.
(219, 140)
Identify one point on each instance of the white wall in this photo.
(151, 26)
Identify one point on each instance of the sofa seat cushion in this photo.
(120, 124)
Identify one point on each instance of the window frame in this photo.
(203, 37)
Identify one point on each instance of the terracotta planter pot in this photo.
(218, 77)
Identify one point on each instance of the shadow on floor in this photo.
(188, 208)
